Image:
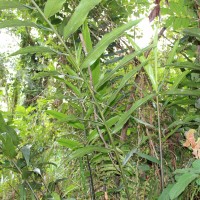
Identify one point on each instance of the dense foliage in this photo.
(87, 113)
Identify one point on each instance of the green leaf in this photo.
(55, 196)
(172, 53)
(70, 119)
(196, 164)
(26, 151)
(71, 144)
(148, 157)
(188, 65)
(52, 7)
(193, 32)
(124, 81)
(105, 42)
(181, 184)
(165, 193)
(129, 155)
(122, 63)
(184, 92)
(87, 150)
(10, 4)
(33, 49)
(16, 23)
(125, 117)
(79, 16)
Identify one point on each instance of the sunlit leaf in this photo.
(79, 16)
(10, 4)
(71, 144)
(181, 184)
(16, 23)
(52, 7)
(105, 41)
(33, 49)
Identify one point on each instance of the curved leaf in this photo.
(184, 92)
(79, 16)
(52, 7)
(181, 184)
(125, 117)
(105, 41)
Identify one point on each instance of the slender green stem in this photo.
(56, 32)
(158, 111)
(19, 170)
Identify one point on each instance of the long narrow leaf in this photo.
(105, 41)
(16, 23)
(122, 63)
(124, 81)
(79, 16)
(10, 4)
(184, 92)
(33, 49)
(125, 117)
(87, 150)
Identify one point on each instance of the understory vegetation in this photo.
(89, 111)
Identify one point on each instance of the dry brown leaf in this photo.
(190, 138)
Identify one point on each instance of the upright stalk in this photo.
(158, 111)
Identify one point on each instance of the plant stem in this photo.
(19, 170)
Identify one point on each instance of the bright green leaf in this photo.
(87, 150)
(105, 41)
(181, 184)
(71, 144)
(79, 16)
(52, 7)
(16, 23)
(33, 49)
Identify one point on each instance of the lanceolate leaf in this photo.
(188, 65)
(79, 16)
(105, 41)
(124, 81)
(52, 7)
(122, 63)
(10, 4)
(181, 184)
(184, 92)
(193, 32)
(33, 49)
(87, 150)
(16, 23)
(26, 153)
(125, 117)
(71, 144)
